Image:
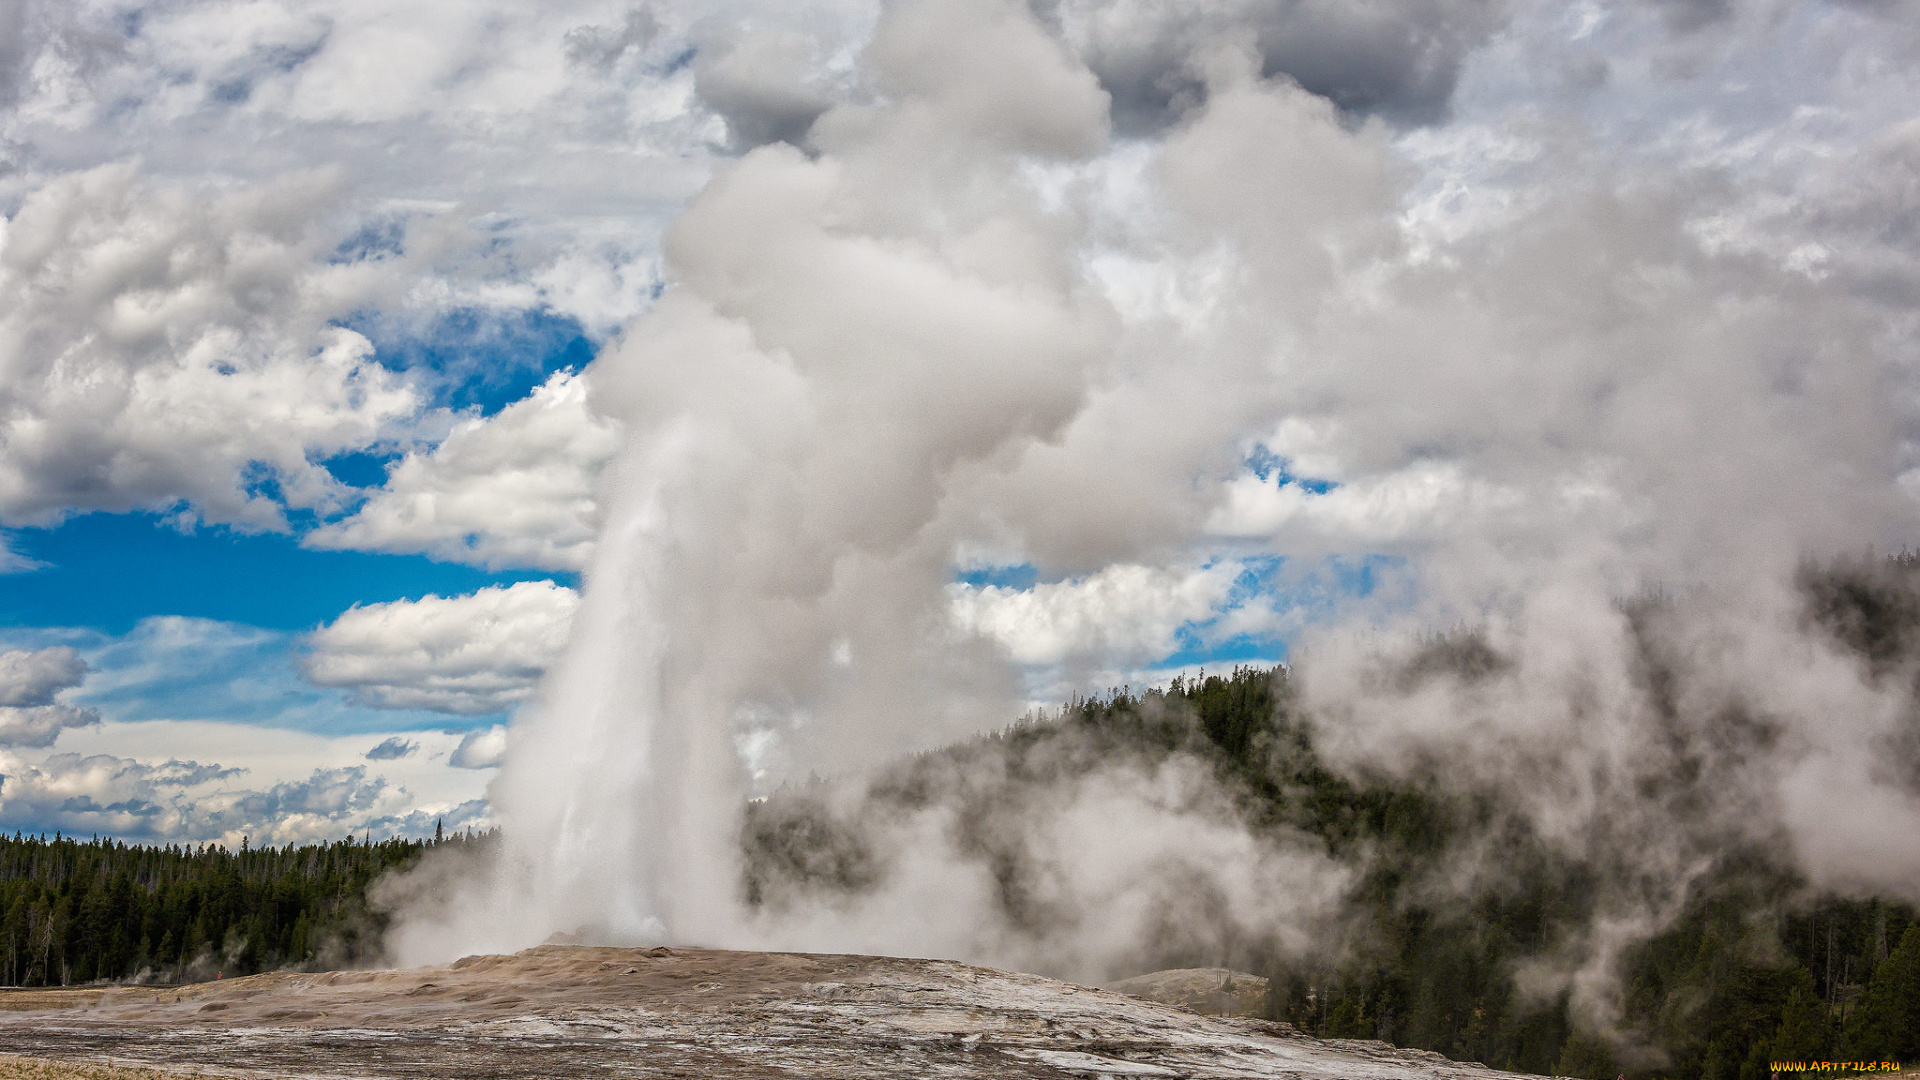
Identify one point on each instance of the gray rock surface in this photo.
(1214, 991)
(561, 1011)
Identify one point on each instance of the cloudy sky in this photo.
(300, 447)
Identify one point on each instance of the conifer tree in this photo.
(1806, 1030)
(1886, 1023)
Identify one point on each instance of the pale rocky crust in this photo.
(562, 1011)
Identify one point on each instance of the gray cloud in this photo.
(34, 677)
(1687, 16)
(393, 749)
(329, 794)
(765, 85)
(110, 795)
(41, 725)
(604, 46)
(14, 53)
(1394, 59)
(29, 680)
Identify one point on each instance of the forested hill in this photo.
(1757, 966)
(78, 911)
(1756, 969)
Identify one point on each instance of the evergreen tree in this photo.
(1719, 1064)
(1886, 1023)
(1585, 1056)
(1806, 1029)
(1759, 1063)
(73, 912)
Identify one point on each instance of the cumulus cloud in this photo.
(311, 808)
(188, 801)
(1387, 509)
(1399, 59)
(483, 749)
(565, 133)
(474, 654)
(1127, 612)
(393, 749)
(170, 298)
(765, 85)
(471, 814)
(169, 346)
(41, 725)
(34, 677)
(512, 489)
(28, 682)
(115, 795)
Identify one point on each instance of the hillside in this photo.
(1755, 965)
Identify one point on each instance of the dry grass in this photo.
(24, 1068)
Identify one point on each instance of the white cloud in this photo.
(484, 749)
(561, 133)
(188, 800)
(101, 792)
(475, 654)
(1124, 611)
(268, 756)
(171, 344)
(155, 781)
(513, 489)
(1415, 501)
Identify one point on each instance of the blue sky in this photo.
(184, 620)
(106, 572)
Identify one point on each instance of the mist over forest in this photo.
(1402, 907)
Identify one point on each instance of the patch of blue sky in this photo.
(361, 468)
(1296, 593)
(106, 572)
(477, 358)
(1267, 465)
(1255, 649)
(1360, 576)
(382, 237)
(1257, 586)
(173, 668)
(1020, 576)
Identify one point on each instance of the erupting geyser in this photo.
(963, 323)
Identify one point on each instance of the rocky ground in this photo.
(571, 1012)
(1213, 991)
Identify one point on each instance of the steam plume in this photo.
(964, 323)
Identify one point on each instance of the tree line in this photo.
(81, 911)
